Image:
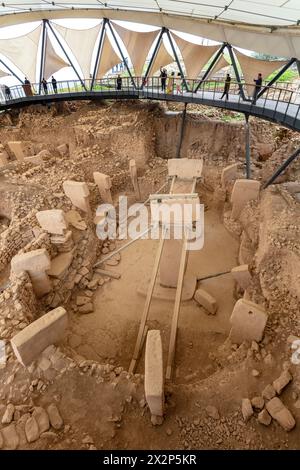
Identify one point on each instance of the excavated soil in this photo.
(103, 406)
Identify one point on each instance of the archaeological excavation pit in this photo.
(149, 232)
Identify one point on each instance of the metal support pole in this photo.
(101, 39)
(154, 54)
(247, 138)
(66, 54)
(181, 131)
(211, 66)
(277, 76)
(10, 70)
(177, 59)
(237, 75)
(282, 168)
(298, 66)
(121, 52)
(43, 48)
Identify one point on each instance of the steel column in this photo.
(237, 75)
(177, 58)
(121, 52)
(10, 70)
(101, 39)
(247, 141)
(43, 48)
(181, 131)
(211, 66)
(277, 76)
(154, 54)
(66, 54)
(282, 168)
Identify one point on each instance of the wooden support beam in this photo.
(139, 339)
(173, 335)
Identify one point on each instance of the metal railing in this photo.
(275, 101)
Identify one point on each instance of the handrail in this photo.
(275, 103)
(106, 81)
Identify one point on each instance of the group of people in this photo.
(45, 85)
(167, 83)
(257, 87)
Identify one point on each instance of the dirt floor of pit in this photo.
(109, 333)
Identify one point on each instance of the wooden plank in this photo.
(173, 335)
(146, 306)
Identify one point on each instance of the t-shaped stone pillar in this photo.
(17, 149)
(104, 184)
(36, 263)
(78, 193)
(242, 192)
(134, 179)
(154, 380)
(52, 221)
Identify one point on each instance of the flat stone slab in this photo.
(60, 264)
(248, 322)
(32, 340)
(244, 190)
(32, 261)
(206, 300)
(53, 221)
(185, 168)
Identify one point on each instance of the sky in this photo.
(68, 73)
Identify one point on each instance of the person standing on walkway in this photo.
(170, 85)
(178, 83)
(258, 84)
(163, 79)
(7, 93)
(226, 87)
(26, 81)
(45, 86)
(119, 82)
(54, 84)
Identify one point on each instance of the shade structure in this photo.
(221, 64)
(251, 67)
(22, 52)
(108, 58)
(4, 74)
(162, 59)
(82, 43)
(267, 26)
(53, 63)
(138, 46)
(194, 56)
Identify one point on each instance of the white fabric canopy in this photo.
(270, 12)
(108, 58)
(53, 62)
(162, 59)
(4, 74)
(221, 64)
(22, 52)
(251, 67)
(267, 26)
(82, 43)
(194, 56)
(137, 45)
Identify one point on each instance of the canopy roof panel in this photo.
(256, 12)
(267, 26)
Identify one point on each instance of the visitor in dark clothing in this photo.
(226, 87)
(258, 84)
(163, 79)
(119, 82)
(45, 86)
(54, 84)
